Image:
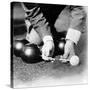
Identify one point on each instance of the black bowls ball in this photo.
(61, 45)
(18, 48)
(31, 54)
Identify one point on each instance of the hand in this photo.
(48, 49)
(69, 49)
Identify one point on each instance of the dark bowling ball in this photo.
(61, 46)
(18, 47)
(31, 54)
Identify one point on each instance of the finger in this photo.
(47, 52)
(66, 52)
(44, 57)
(43, 51)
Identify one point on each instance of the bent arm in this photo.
(77, 23)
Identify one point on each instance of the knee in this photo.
(58, 25)
(62, 24)
(33, 37)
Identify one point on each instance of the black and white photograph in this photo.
(49, 44)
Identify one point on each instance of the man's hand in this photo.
(47, 49)
(68, 49)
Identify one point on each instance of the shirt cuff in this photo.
(47, 38)
(73, 35)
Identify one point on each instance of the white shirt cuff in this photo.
(47, 38)
(73, 35)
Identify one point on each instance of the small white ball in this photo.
(74, 61)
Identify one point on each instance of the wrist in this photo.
(47, 39)
(73, 35)
(70, 41)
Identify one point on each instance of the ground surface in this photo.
(44, 74)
